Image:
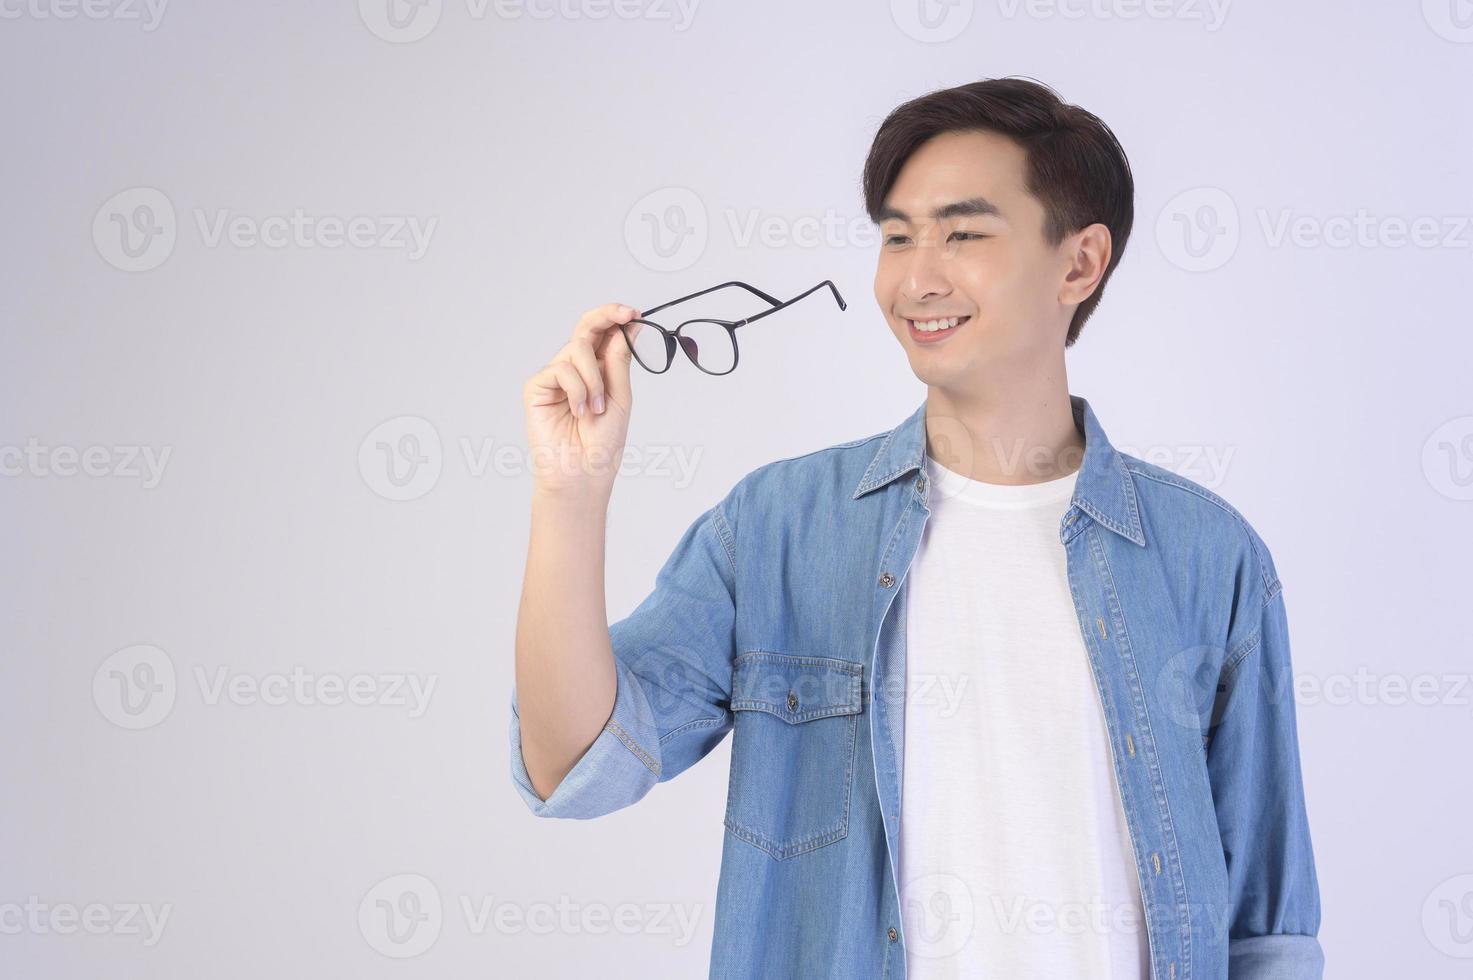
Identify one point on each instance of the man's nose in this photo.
(926, 275)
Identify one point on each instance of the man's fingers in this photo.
(556, 382)
(616, 358)
(593, 365)
(580, 353)
(597, 322)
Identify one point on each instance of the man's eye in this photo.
(899, 239)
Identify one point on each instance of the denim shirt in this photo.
(780, 617)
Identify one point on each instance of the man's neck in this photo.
(1010, 433)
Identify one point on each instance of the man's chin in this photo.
(937, 372)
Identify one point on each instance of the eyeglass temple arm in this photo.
(751, 289)
(837, 298)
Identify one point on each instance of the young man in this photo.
(1005, 702)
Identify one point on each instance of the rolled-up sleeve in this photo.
(1253, 763)
(673, 659)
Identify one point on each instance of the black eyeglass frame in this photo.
(674, 337)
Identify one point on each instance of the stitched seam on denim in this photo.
(1105, 520)
(814, 843)
(849, 770)
(1136, 844)
(1267, 935)
(852, 698)
(1158, 784)
(888, 477)
(788, 849)
(785, 851)
(793, 847)
(895, 539)
(782, 850)
(731, 780)
(1129, 485)
(697, 723)
(1270, 588)
(803, 659)
(864, 481)
(851, 444)
(1245, 648)
(723, 528)
(795, 717)
(1269, 585)
(873, 662)
(650, 762)
(1100, 516)
(823, 449)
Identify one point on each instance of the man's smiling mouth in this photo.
(934, 328)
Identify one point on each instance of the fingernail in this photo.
(598, 404)
(578, 410)
(625, 309)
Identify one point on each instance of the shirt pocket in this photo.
(794, 722)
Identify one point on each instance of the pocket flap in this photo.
(796, 688)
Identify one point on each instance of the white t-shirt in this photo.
(1015, 858)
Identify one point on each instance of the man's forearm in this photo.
(564, 662)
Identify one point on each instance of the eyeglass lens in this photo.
(708, 345)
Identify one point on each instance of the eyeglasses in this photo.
(711, 345)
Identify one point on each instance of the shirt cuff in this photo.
(618, 769)
(1280, 956)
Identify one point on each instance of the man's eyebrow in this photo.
(972, 207)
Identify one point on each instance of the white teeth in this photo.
(931, 326)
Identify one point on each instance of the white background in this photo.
(1320, 385)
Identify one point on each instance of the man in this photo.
(1005, 701)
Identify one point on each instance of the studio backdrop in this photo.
(276, 273)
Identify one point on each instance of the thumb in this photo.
(617, 360)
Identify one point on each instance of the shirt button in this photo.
(921, 485)
(792, 701)
(887, 580)
(893, 934)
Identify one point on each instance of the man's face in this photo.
(984, 258)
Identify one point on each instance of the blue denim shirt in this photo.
(780, 617)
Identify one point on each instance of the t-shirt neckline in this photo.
(952, 485)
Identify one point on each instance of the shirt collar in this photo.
(1103, 490)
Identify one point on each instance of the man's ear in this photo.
(1089, 251)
